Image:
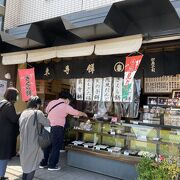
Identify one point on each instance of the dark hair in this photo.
(11, 94)
(33, 102)
(65, 95)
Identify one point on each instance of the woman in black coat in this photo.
(8, 129)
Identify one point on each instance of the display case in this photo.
(121, 144)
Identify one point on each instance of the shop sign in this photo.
(119, 67)
(66, 69)
(88, 90)
(79, 89)
(27, 83)
(117, 93)
(3, 87)
(91, 68)
(97, 89)
(47, 72)
(153, 64)
(107, 84)
(131, 66)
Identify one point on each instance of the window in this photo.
(2, 2)
(1, 23)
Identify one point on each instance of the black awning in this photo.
(89, 25)
(129, 17)
(5, 46)
(55, 33)
(148, 17)
(25, 36)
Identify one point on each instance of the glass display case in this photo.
(127, 139)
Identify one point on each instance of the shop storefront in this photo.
(122, 126)
(125, 122)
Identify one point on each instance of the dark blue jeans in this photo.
(3, 166)
(51, 153)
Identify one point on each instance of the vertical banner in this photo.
(97, 90)
(3, 87)
(88, 89)
(128, 92)
(117, 93)
(131, 66)
(107, 83)
(27, 83)
(79, 89)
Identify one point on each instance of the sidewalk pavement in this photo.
(14, 172)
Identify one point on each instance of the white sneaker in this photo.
(54, 169)
(62, 150)
(42, 167)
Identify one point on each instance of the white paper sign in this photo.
(97, 90)
(3, 87)
(117, 95)
(88, 90)
(79, 89)
(107, 84)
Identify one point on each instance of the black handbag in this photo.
(44, 137)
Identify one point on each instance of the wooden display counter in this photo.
(111, 164)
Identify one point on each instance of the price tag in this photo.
(110, 150)
(156, 139)
(114, 119)
(135, 122)
(113, 133)
(86, 146)
(126, 153)
(142, 138)
(97, 148)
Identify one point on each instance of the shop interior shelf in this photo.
(133, 125)
(84, 131)
(160, 126)
(149, 140)
(116, 135)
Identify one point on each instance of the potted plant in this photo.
(161, 169)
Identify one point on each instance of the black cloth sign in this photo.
(87, 67)
(172, 63)
(152, 65)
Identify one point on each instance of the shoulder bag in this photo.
(55, 106)
(44, 137)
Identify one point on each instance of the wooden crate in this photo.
(164, 84)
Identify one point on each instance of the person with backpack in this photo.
(30, 150)
(57, 111)
(8, 129)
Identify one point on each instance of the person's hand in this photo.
(84, 114)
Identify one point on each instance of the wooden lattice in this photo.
(164, 84)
